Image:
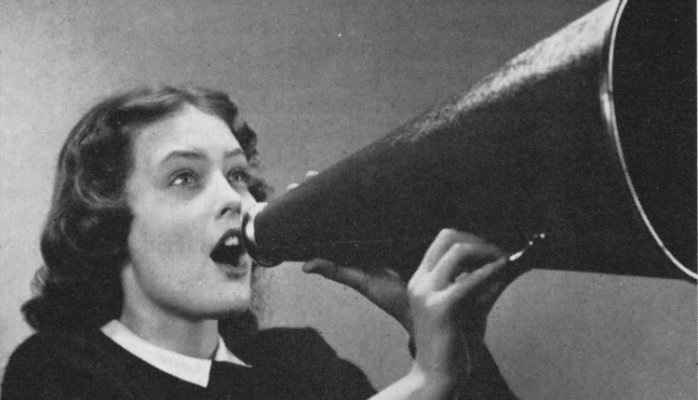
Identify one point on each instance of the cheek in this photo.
(163, 241)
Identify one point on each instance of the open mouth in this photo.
(229, 248)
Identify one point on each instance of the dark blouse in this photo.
(286, 364)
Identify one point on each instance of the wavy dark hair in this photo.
(84, 240)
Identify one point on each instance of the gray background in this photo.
(317, 80)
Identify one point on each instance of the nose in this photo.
(228, 200)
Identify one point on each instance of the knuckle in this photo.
(413, 288)
(462, 248)
(454, 236)
(448, 235)
(416, 290)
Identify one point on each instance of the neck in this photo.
(192, 338)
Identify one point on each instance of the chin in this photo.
(229, 313)
(233, 307)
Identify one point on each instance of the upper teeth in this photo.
(232, 241)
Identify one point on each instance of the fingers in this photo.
(443, 242)
(350, 276)
(464, 267)
(469, 282)
(482, 288)
(463, 258)
(497, 282)
(382, 286)
(453, 252)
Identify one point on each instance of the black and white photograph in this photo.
(322, 199)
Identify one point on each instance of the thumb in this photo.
(350, 276)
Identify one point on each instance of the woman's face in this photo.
(187, 192)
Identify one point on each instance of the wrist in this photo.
(430, 384)
(448, 358)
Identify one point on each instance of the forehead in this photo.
(187, 129)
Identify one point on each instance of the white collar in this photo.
(191, 369)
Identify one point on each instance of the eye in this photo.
(183, 178)
(238, 177)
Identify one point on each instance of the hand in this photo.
(382, 286)
(450, 295)
(444, 307)
(385, 288)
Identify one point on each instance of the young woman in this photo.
(146, 291)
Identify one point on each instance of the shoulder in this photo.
(47, 348)
(304, 353)
(41, 350)
(49, 365)
(62, 365)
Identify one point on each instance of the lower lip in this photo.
(237, 270)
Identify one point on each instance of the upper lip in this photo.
(235, 232)
(229, 233)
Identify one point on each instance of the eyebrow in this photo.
(197, 154)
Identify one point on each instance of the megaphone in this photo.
(589, 136)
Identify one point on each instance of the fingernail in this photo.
(309, 268)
